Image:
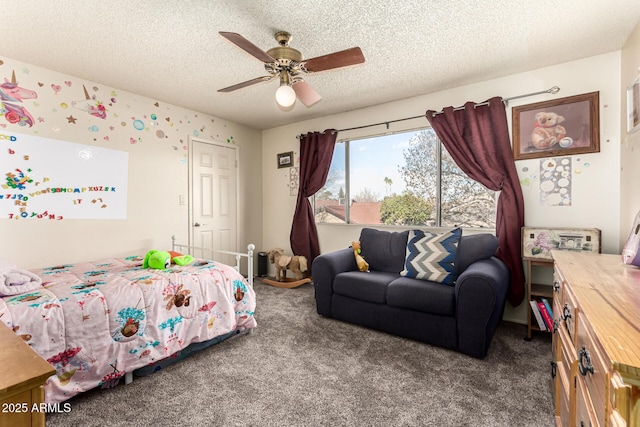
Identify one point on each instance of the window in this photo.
(401, 179)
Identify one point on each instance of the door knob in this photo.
(197, 224)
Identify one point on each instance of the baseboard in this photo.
(513, 319)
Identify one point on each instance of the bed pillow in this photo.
(432, 256)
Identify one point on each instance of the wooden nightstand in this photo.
(22, 374)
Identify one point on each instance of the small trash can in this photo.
(262, 264)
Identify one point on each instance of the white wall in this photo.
(595, 179)
(596, 195)
(157, 172)
(630, 149)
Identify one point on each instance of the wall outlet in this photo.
(182, 199)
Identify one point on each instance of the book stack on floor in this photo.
(542, 313)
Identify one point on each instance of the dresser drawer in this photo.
(584, 407)
(616, 420)
(565, 393)
(566, 371)
(556, 351)
(19, 410)
(592, 369)
(569, 313)
(568, 359)
(558, 285)
(555, 364)
(556, 346)
(564, 409)
(557, 303)
(620, 398)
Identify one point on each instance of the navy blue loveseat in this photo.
(461, 316)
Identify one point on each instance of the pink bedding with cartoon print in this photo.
(94, 322)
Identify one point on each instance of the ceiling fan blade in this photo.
(305, 93)
(245, 84)
(247, 46)
(343, 58)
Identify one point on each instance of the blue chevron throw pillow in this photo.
(432, 256)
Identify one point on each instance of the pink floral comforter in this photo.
(94, 322)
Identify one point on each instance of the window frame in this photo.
(347, 171)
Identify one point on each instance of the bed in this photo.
(99, 322)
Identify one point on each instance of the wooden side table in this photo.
(22, 374)
(536, 291)
(537, 243)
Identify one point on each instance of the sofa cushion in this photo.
(366, 286)
(383, 250)
(475, 247)
(421, 295)
(431, 256)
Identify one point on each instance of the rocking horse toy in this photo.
(297, 264)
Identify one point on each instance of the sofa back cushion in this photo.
(384, 250)
(475, 247)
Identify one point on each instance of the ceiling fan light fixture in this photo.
(285, 96)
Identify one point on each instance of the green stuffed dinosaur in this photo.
(161, 260)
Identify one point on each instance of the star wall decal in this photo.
(71, 119)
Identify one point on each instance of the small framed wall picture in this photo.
(559, 127)
(633, 106)
(285, 160)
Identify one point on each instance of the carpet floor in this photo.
(301, 369)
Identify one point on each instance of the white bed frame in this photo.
(192, 250)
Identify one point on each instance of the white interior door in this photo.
(214, 198)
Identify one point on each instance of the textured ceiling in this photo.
(171, 50)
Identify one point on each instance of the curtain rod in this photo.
(553, 90)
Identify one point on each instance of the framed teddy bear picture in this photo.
(559, 127)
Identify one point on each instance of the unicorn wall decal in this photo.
(10, 94)
(90, 105)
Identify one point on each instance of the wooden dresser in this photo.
(22, 374)
(596, 340)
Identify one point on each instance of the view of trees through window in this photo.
(401, 179)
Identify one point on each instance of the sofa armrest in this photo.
(324, 270)
(481, 292)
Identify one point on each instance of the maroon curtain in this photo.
(477, 137)
(316, 151)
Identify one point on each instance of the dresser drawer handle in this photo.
(585, 365)
(566, 312)
(556, 286)
(554, 367)
(555, 325)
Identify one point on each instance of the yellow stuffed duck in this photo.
(360, 261)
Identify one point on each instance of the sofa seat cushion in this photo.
(422, 295)
(366, 286)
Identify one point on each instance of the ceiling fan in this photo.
(287, 63)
